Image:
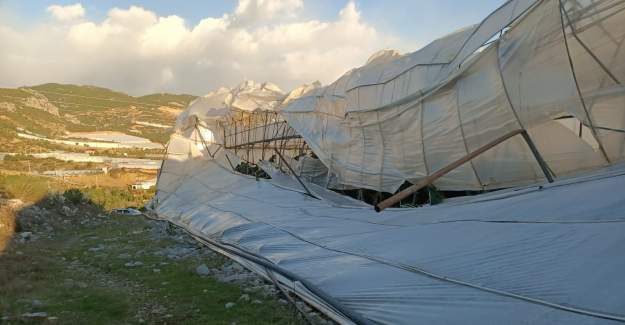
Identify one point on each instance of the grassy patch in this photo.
(25, 187)
(78, 273)
(75, 268)
(35, 188)
(111, 198)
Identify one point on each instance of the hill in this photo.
(54, 109)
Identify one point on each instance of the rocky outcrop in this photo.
(39, 101)
(71, 118)
(9, 107)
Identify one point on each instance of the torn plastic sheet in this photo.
(532, 255)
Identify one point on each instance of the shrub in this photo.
(18, 157)
(110, 198)
(74, 195)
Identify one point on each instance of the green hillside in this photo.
(52, 109)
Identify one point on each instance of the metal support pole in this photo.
(579, 91)
(225, 139)
(197, 128)
(264, 136)
(249, 129)
(294, 174)
(539, 158)
(264, 143)
(235, 137)
(229, 162)
(543, 164)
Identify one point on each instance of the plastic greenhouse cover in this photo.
(400, 121)
(538, 254)
(529, 255)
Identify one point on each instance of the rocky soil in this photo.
(71, 262)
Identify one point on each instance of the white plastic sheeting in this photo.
(399, 118)
(248, 96)
(535, 255)
(549, 254)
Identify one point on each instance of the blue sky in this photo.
(283, 41)
(413, 20)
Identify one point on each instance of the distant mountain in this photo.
(54, 109)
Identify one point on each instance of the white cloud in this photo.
(252, 11)
(67, 13)
(165, 36)
(137, 51)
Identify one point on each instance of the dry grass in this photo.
(114, 179)
(7, 227)
(172, 112)
(27, 188)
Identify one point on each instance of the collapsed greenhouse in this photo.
(526, 108)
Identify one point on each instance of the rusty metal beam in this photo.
(280, 138)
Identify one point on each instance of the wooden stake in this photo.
(442, 172)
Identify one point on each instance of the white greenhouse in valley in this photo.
(524, 111)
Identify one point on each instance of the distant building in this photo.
(144, 185)
(72, 172)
